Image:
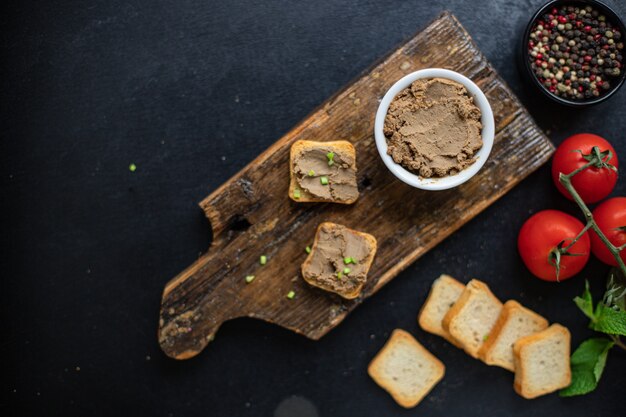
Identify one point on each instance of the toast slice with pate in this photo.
(339, 260)
(406, 369)
(470, 320)
(542, 362)
(444, 292)
(323, 172)
(515, 322)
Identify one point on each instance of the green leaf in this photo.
(609, 320)
(587, 365)
(616, 289)
(585, 303)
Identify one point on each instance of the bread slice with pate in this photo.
(339, 260)
(323, 172)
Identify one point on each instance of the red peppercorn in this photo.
(588, 58)
(554, 10)
(580, 88)
(598, 36)
(531, 44)
(552, 89)
(599, 83)
(587, 28)
(572, 16)
(592, 77)
(554, 81)
(568, 82)
(538, 62)
(539, 55)
(562, 19)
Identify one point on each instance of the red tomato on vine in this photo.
(610, 216)
(593, 183)
(542, 240)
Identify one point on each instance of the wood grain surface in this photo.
(252, 215)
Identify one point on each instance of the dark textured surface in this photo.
(191, 91)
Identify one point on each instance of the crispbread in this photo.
(542, 362)
(444, 292)
(405, 369)
(472, 317)
(515, 322)
(301, 145)
(348, 292)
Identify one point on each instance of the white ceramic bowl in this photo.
(449, 181)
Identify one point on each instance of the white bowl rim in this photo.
(488, 131)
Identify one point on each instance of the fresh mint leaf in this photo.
(585, 303)
(609, 320)
(587, 364)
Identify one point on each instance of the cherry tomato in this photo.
(593, 184)
(610, 216)
(541, 234)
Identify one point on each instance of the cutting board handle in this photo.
(198, 300)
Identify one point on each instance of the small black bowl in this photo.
(611, 16)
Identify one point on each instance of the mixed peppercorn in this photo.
(575, 52)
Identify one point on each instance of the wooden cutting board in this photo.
(252, 215)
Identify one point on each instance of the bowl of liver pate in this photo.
(434, 129)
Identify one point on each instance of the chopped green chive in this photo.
(308, 249)
(324, 180)
(296, 193)
(263, 259)
(249, 278)
(346, 271)
(330, 156)
(132, 167)
(330, 163)
(291, 294)
(348, 261)
(485, 337)
(339, 275)
(311, 173)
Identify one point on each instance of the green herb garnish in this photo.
(311, 173)
(291, 294)
(249, 278)
(263, 259)
(296, 193)
(324, 180)
(608, 317)
(348, 261)
(346, 271)
(308, 249)
(132, 167)
(330, 156)
(339, 275)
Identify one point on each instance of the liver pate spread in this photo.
(326, 266)
(311, 164)
(433, 128)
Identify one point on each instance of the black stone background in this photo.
(191, 91)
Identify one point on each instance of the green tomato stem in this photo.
(566, 181)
